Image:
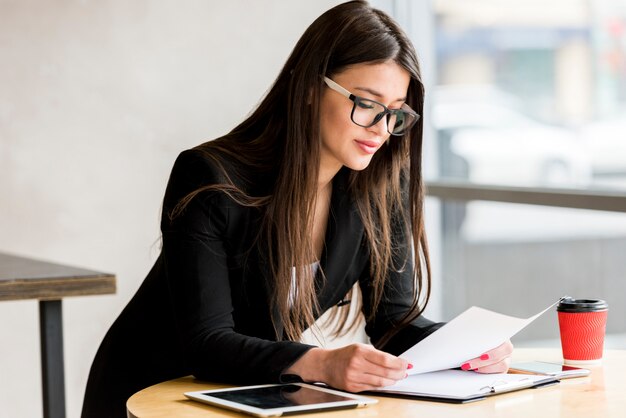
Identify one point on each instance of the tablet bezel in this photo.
(354, 401)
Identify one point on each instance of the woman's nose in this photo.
(380, 127)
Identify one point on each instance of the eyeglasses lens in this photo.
(367, 113)
(399, 122)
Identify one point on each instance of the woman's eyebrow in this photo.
(377, 94)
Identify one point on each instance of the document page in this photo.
(467, 336)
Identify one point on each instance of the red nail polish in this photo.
(410, 366)
(484, 357)
(466, 366)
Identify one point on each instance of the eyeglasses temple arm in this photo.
(330, 83)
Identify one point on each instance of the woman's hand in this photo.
(355, 368)
(493, 361)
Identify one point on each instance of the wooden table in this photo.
(25, 278)
(602, 394)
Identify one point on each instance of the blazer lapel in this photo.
(344, 236)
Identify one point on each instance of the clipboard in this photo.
(457, 386)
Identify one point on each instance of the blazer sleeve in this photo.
(396, 301)
(197, 276)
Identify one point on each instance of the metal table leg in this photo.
(53, 380)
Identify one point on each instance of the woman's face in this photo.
(343, 142)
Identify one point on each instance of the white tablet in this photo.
(279, 399)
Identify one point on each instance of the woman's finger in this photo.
(491, 358)
(359, 367)
(499, 367)
(386, 365)
(376, 381)
(370, 364)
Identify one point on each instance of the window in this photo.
(531, 93)
(527, 109)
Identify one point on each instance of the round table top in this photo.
(602, 394)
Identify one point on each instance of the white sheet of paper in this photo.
(467, 336)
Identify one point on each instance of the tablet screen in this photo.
(278, 396)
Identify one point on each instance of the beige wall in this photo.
(96, 101)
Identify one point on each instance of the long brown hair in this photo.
(281, 139)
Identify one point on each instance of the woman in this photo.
(273, 224)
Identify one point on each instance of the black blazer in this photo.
(203, 308)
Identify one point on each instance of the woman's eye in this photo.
(365, 105)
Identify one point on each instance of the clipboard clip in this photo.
(500, 386)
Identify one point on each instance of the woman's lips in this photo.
(369, 147)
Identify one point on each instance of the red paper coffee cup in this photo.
(582, 323)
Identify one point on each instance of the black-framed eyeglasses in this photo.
(366, 112)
